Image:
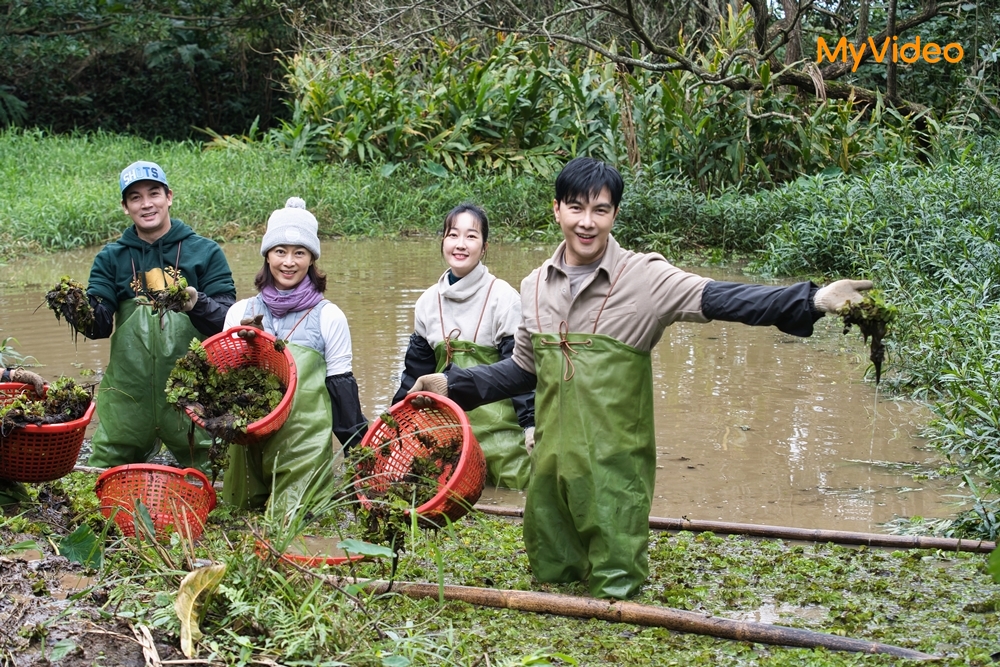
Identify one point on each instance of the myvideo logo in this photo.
(910, 52)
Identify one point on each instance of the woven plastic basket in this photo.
(265, 550)
(419, 432)
(227, 351)
(39, 453)
(177, 500)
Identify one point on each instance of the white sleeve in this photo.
(235, 314)
(337, 336)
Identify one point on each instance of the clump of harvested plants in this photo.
(384, 516)
(873, 316)
(69, 299)
(172, 298)
(64, 401)
(228, 401)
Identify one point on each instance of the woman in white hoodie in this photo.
(467, 318)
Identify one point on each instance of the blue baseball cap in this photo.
(142, 171)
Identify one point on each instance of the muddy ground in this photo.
(52, 611)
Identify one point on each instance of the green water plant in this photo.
(69, 299)
(228, 401)
(64, 401)
(873, 316)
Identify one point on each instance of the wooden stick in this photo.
(789, 533)
(636, 614)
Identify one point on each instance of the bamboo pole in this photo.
(789, 533)
(634, 613)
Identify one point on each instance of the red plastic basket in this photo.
(39, 453)
(264, 551)
(174, 501)
(394, 451)
(227, 351)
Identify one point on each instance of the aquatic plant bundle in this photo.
(69, 299)
(385, 516)
(227, 401)
(172, 298)
(64, 401)
(873, 317)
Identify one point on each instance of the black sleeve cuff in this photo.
(419, 360)
(349, 424)
(209, 313)
(479, 385)
(104, 319)
(790, 309)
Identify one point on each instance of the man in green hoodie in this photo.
(156, 252)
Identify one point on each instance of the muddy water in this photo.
(752, 425)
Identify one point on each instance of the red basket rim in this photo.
(464, 460)
(264, 549)
(207, 487)
(50, 428)
(289, 390)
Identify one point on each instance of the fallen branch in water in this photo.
(634, 613)
(789, 533)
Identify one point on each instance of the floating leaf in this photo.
(83, 546)
(994, 565)
(61, 649)
(365, 548)
(187, 607)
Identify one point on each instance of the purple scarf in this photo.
(304, 296)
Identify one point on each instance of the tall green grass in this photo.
(62, 192)
(930, 239)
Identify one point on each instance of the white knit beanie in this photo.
(292, 225)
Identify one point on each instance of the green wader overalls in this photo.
(494, 424)
(295, 465)
(594, 463)
(132, 410)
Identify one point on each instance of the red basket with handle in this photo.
(43, 452)
(177, 500)
(227, 351)
(418, 432)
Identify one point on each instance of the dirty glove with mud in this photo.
(256, 321)
(836, 295)
(435, 383)
(27, 377)
(529, 438)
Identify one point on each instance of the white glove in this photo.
(435, 383)
(192, 299)
(529, 438)
(836, 295)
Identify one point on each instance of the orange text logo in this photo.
(910, 52)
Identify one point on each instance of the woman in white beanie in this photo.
(295, 465)
(469, 317)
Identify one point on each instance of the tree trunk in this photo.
(890, 70)
(793, 48)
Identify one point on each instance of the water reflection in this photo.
(752, 425)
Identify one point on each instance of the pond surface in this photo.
(752, 425)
